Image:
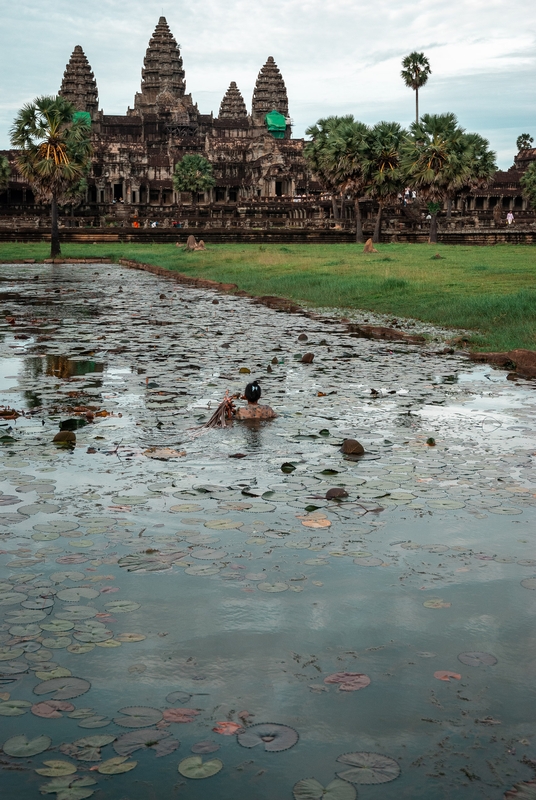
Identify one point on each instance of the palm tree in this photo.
(193, 174)
(524, 142)
(528, 183)
(317, 155)
(5, 172)
(439, 160)
(415, 72)
(431, 161)
(383, 175)
(54, 150)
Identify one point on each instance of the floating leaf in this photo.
(69, 787)
(116, 766)
(50, 709)
(272, 587)
(14, 708)
(55, 769)
(445, 675)
(436, 603)
(121, 606)
(180, 714)
(227, 728)
(22, 747)
(311, 789)
(349, 681)
(151, 738)
(475, 659)
(205, 747)
(194, 767)
(368, 768)
(138, 717)
(63, 688)
(274, 738)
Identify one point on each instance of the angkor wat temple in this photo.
(262, 179)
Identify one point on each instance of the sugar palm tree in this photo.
(524, 142)
(54, 150)
(383, 175)
(347, 151)
(415, 72)
(528, 184)
(5, 172)
(318, 157)
(433, 161)
(193, 174)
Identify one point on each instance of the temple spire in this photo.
(162, 73)
(78, 85)
(270, 92)
(232, 106)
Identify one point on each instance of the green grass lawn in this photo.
(489, 290)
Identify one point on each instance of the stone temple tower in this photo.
(162, 75)
(270, 93)
(78, 85)
(232, 106)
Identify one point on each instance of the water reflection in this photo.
(59, 366)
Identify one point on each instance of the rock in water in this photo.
(65, 437)
(351, 447)
(307, 358)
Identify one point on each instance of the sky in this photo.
(336, 56)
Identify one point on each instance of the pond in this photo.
(183, 610)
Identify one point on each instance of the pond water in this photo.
(386, 637)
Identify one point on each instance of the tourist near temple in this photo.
(261, 177)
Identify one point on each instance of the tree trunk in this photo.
(433, 230)
(378, 225)
(334, 206)
(358, 225)
(449, 207)
(417, 106)
(55, 249)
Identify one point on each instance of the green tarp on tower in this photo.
(276, 124)
(84, 116)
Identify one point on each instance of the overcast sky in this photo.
(336, 56)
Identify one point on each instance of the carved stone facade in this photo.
(135, 154)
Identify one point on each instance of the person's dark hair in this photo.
(252, 392)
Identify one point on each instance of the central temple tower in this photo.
(162, 75)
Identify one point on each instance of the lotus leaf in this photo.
(311, 789)
(194, 767)
(368, 768)
(138, 716)
(14, 708)
(63, 688)
(274, 738)
(116, 766)
(22, 747)
(475, 659)
(56, 769)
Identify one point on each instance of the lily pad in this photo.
(22, 747)
(311, 789)
(194, 767)
(476, 658)
(205, 747)
(272, 737)
(63, 688)
(121, 606)
(349, 681)
(14, 708)
(116, 766)
(368, 768)
(150, 738)
(138, 717)
(279, 586)
(57, 768)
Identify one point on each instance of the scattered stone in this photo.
(303, 337)
(65, 437)
(381, 332)
(522, 362)
(307, 358)
(336, 492)
(351, 447)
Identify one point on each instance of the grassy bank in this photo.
(490, 290)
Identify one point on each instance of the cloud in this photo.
(337, 56)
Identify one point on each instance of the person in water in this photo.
(254, 410)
